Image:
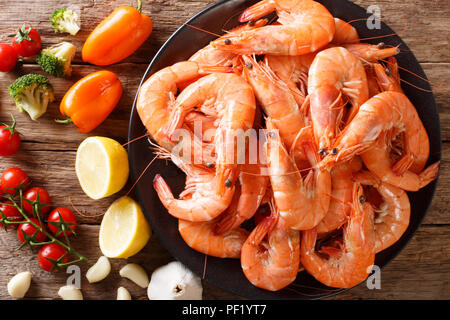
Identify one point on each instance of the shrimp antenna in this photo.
(135, 139)
(142, 174)
(202, 30)
(205, 262)
(382, 36)
(82, 214)
(417, 76)
(224, 26)
(310, 294)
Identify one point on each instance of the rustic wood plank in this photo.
(412, 275)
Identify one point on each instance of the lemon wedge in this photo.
(124, 231)
(102, 167)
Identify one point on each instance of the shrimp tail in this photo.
(429, 174)
(262, 230)
(403, 164)
(227, 223)
(308, 241)
(163, 190)
(257, 11)
(205, 70)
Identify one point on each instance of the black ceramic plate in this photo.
(227, 273)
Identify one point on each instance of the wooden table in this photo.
(421, 271)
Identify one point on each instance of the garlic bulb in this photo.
(174, 282)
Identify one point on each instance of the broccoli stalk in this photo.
(65, 20)
(56, 60)
(32, 93)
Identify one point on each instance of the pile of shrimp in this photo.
(342, 146)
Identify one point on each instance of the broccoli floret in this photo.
(32, 93)
(65, 20)
(56, 60)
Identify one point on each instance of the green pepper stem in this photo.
(67, 120)
(139, 8)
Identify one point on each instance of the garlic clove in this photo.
(174, 282)
(135, 273)
(99, 270)
(123, 294)
(19, 284)
(70, 293)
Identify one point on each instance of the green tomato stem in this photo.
(41, 229)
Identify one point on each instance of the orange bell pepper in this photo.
(117, 36)
(90, 101)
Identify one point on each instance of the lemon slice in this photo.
(101, 166)
(124, 230)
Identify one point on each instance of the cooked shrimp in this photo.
(276, 100)
(199, 201)
(304, 26)
(388, 78)
(303, 203)
(202, 125)
(214, 57)
(382, 117)
(349, 264)
(345, 32)
(372, 80)
(371, 53)
(392, 215)
(157, 95)
(202, 237)
(253, 182)
(229, 98)
(271, 264)
(293, 71)
(378, 160)
(341, 195)
(334, 76)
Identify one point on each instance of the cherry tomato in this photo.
(29, 229)
(10, 212)
(67, 215)
(27, 41)
(8, 58)
(44, 200)
(9, 139)
(54, 252)
(12, 179)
